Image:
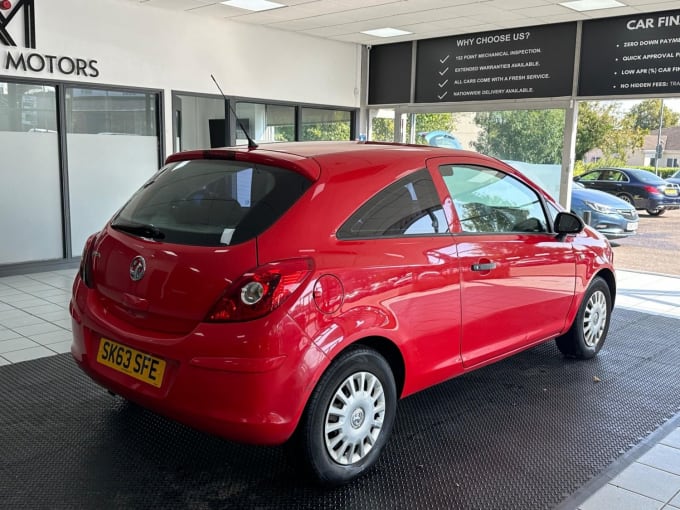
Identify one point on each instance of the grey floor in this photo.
(35, 323)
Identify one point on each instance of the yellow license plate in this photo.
(672, 192)
(132, 362)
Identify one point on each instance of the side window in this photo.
(407, 207)
(590, 176)
(621, 177)
(490, 201)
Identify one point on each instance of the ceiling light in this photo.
(592, 5)
(253, 5)
(386, 32)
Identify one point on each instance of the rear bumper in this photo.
(662, 202)
(251, 399)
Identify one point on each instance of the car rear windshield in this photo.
(210, 203)
(648, 177)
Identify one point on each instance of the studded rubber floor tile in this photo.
(524, 433)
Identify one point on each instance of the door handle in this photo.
(484, 267)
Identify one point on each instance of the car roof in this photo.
(334, 157)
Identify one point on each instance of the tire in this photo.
(589, 329)
(656, 212)
(627, 198)
(360, 387)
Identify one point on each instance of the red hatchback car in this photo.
(297, 291)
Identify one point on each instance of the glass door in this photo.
(112, 149)
(30, 195)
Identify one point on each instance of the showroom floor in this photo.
(34, 323)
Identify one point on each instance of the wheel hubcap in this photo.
(358, 418)
(595, 319)
(354, 418)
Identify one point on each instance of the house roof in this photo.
(670, 138)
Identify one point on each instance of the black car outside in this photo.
(641, 188)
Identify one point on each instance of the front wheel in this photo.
(589, 330)
(349, 417)
(656, 212)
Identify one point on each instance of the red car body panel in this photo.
(416, 298)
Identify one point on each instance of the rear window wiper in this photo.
(139, 229)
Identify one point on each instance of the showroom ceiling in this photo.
(344, 20)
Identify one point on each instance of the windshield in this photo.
(210, 203)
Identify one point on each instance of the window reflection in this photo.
(27, 108)
(96, 111)
(323, 124)
(488, 200)
(265, 122)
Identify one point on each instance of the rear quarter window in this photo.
(212, 203)
(409, 206)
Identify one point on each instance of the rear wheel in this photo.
(626, 198)
(656, 212)
(589, 329)
(349, 417)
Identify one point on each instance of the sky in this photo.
(627, 104)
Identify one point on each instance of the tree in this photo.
(326, 131)
(382, 129)
(532, 136)
(426, 122)
(603, 126)
(645, 115)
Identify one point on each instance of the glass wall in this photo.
(322, 124)
(381, 125)
(112, 149)
(199, 122)
(265, 122)
(30, 196)
(529, 140)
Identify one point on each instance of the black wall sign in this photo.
(18, 60)
(631, 55)
(9, 12)
(389, 74)
(507, 64)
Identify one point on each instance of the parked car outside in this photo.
(294, 292)
(643, 189)
(609, 215)
(441, 139)
(675, 178)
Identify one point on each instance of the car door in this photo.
(594, 180)
(517, 278)
(405, 271)
(617, 183)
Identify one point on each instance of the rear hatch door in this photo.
(185, 236)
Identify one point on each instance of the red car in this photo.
(294, 292)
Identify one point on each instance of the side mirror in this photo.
(568, 223)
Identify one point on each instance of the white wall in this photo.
(138, 45)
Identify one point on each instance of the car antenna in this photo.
(251, 142)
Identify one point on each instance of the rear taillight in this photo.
(261, 291)
(653, 189)
(85, 270)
